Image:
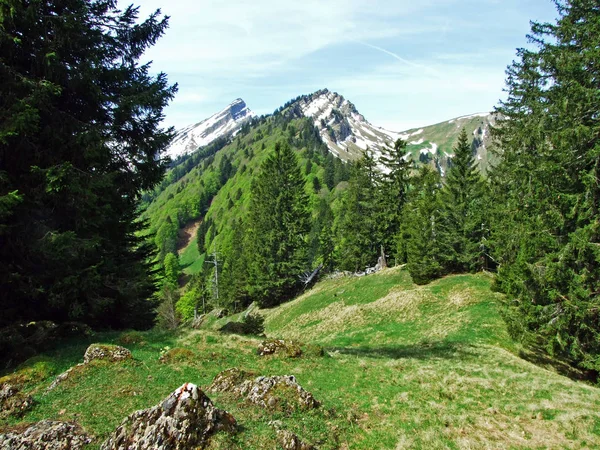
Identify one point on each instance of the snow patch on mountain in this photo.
(226, 122)
(343, 129)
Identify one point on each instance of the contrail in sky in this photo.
(398, 57)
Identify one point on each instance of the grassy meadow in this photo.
(405, 366)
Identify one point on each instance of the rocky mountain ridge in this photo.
(346, 132)
(226, 122)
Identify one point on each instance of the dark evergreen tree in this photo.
(279, 223)
(465, 210)
(80, 139)
(393, 193)
(358, 229)
(201, 234)
(316, 184)
(321, 249)
(547, 235)
(329, 176)
(235, 270)
(423, 231)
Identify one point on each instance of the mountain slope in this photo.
(213, 183)
(225, 122)
(435, 143)
(342, 128)
(348, 134)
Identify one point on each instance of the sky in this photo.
(403, 63)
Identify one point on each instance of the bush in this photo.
(254, 324)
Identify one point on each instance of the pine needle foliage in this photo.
(279, 225)
(80, 138)
(465, 209)
(547, 237)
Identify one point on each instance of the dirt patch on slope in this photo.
(187, 234)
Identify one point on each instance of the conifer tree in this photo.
(358, 229)
(393, 193)
(464, 208)
(80, 138)
(279, 224)
(235, 269)
(321, 250)
(424, 231)
(172, 269)
(547, 235)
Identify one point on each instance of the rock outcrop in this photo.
(290, 349)
(274, 393)
(272, 346)
(46, 435)
(106, 352)
(288, 440)
(13, 402)
(95, 352)
(186, 419)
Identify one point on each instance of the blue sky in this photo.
(402, 63)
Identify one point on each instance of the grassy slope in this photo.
(445, 136)
(408, 367)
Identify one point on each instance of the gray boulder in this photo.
(13, 402)
(46, 435)
(274, 393)
(106, 352)
(186, 419)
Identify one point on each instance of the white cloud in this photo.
(257, 37)
(424, 60)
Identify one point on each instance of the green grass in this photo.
(406, 367)
(190, 259)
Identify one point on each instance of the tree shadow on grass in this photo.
(541, 358)
(423, 351)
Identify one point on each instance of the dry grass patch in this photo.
(399, 305)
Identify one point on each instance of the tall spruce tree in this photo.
(80, 138)
(547, 237)
(464, 206)
(279, 224)
(358, 228)
(235, 269)
(393, 193)
(424, 233)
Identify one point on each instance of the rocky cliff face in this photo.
(344, 130)
(348, 134)
(223, 123)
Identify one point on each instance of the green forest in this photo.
(100, 232)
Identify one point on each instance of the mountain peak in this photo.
(225, 122)
(343, 129)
